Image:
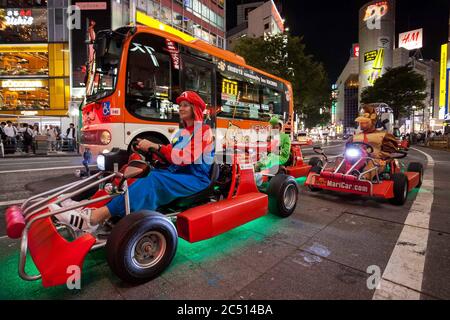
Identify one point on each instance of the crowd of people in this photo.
(22, 137)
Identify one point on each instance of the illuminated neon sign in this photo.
(19, 17)
(230, 87)
(376, 11)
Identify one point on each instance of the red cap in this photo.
(193, 98)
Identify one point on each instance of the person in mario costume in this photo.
(382, 142)
(190, 155)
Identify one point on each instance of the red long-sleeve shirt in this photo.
(201, 142)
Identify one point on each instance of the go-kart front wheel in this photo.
(283, 195)
(400, 189)
(141, 246)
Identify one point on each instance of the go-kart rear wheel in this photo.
(416, 167)
(318, 170)
(141, 246)
(283, 195)
(400, 189)
(315, 161)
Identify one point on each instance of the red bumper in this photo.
(215, 218)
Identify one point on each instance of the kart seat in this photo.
(186, 202)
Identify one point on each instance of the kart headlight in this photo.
(101, 162)
(105, 137)
(352, 153)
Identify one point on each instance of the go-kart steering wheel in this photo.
(149, 155)
(368, 147)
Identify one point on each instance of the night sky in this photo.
(331, 27)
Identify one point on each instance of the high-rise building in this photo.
(203, 19)
(34, 58)
(254, 20)
(377, 52)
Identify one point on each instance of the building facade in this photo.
(255, 20)
(377, 52)
(203, 19)
(347, 96)
(34, 58)
(376, 40)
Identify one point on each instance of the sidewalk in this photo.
(49, 154)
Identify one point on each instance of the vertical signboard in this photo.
(95, 16)
(443, 76)
(376, 40)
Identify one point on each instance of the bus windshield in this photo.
(103, 66)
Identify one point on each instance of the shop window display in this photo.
(23, 64)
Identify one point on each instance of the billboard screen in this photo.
(411, 40)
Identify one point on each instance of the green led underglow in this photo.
(95, 268)
(301, 181)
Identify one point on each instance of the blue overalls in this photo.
(162, 186)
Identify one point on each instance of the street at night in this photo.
(321, 252)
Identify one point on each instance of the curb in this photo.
(40, 156)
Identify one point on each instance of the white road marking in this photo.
(36, 162)
(45, 169)
(11, 202)
(326, 147)
(403, 275)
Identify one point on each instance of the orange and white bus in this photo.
(141, 70)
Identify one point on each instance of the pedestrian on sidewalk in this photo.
(27, 135)
(71, 136)
(51, 137)
(11, 133)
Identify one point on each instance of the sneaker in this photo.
(78, 219)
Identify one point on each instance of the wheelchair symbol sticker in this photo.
(106, 109)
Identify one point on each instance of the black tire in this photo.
(315, 161)
(400, 189)
(283, 195)
(416, 167)
(318, 170)
(129, 233)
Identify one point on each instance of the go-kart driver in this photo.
(273, 159)
(382, 142)
(190, 156)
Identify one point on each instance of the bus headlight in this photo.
(105, 137)
(101, 162)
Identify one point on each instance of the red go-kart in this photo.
(142, 244)
(295, 166)
(349, 173)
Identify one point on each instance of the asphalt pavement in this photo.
(327, 249)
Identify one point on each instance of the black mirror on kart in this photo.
(137, 169)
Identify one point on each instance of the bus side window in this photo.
(198, 78)
(272, 102)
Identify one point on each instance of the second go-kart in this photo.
(141, 245)
(349, 173)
